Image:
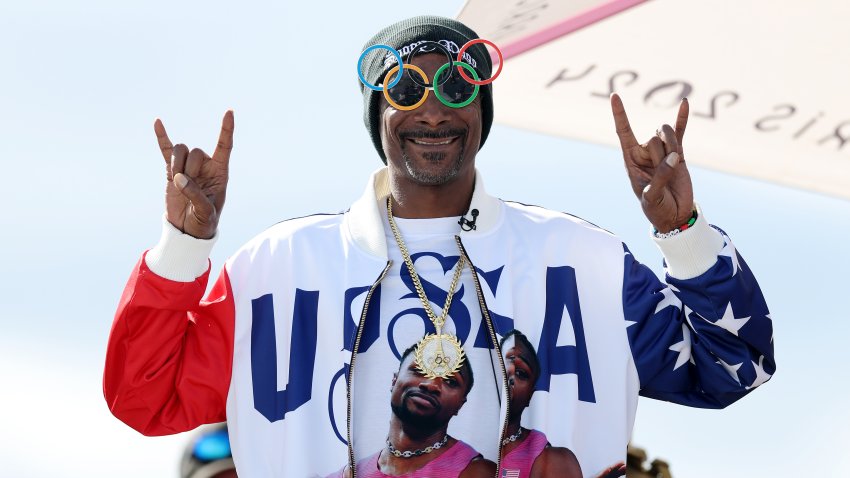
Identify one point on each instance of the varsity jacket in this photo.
(274, 347)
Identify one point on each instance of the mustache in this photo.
(431, 134)
(424, 394)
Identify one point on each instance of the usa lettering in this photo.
(274, 401)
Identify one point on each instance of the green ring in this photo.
(437, 91)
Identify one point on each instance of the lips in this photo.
(419, 397)
(433, 142)
(425, 138)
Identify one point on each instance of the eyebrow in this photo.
(458, 377)
(526, 361)
(522, 356)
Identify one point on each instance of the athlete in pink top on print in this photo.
(449, 464)
(518, 462)
(526, 453)
(422, 409)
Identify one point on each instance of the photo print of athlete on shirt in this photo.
(527, 453)
(418, 442)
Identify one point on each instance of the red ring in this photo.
(469, 44)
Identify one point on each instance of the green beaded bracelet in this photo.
(679, 229)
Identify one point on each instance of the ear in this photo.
(461, 406)
(395, 377)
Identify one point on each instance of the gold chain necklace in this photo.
(431, 356)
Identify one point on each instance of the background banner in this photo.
(765, 80)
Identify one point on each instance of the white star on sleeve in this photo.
(732, 369)
(668, 300)
(729, 322)
(761, 375)
(683, 347)
(729, 251)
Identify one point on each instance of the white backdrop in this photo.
(765, 79)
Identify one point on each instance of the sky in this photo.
(82, 197)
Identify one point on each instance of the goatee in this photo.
(430, 178)
(424, 425)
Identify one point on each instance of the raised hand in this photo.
(614, 471)
(197, 183)
(657, 169)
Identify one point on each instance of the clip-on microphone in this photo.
(466, 224)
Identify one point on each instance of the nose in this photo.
(432, 113)
(431, 385)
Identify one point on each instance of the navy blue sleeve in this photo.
(703, 342)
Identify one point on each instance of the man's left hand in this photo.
(657, 169)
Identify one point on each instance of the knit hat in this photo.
(404, 36)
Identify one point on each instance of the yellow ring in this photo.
(387, 94)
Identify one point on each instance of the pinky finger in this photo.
(682, 121)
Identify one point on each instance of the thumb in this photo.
(191, 191)
(654, 191)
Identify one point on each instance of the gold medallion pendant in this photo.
(439, 355)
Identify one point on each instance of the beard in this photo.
(439, 177)
(424, 424)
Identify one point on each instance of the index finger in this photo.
(225, 139)
(165, 145)
(621, 122)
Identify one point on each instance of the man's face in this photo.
(428, 404)
(432, 144)
(521, 376)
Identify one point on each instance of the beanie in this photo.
(404, 36)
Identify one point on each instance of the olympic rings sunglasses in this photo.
(452, 91)
(407, 92)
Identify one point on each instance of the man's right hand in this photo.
(197, 183)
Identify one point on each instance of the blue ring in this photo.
(360, 63)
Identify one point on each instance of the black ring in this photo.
(449, 60)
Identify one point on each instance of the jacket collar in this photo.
(365, 218)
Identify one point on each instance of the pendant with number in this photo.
(439, 355)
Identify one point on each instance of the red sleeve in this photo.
(170, 353)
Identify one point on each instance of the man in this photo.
(418, 443)
(527, 452)
(208, 455)
(427, 248)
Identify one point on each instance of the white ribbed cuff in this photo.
(693, 251)
(178, 256)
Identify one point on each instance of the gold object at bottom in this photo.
(432, 358)
(439, 355)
